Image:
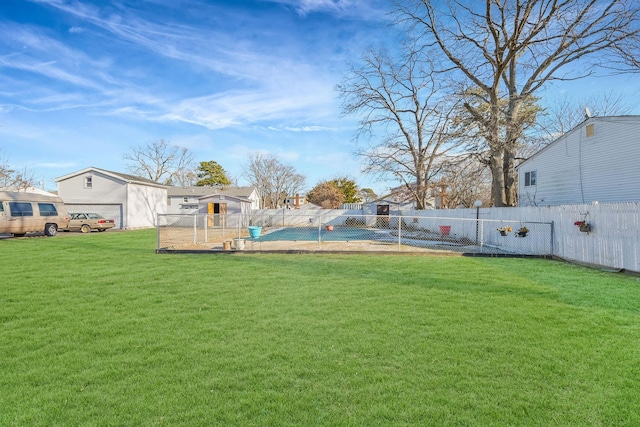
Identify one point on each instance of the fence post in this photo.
(195, 229)
(158, 236)
(552, 233)
(399, 234)
(320, 222)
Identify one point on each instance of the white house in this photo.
(132, 201)
(187, 199)
(597, 161)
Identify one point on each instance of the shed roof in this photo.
(201, 191)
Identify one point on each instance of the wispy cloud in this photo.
(269, 85)
(362, 9)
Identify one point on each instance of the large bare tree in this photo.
(402, 100)
(161, 162)
(14, 179)
(510, 49)
(274, 180)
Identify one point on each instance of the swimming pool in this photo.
(339, 234)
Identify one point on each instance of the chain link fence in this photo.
(351, 233)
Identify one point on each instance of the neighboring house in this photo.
(388, 205)
(295, 202)
(34, 190)
(597, 161)
(187, 199)
(132, 201)
(401, 199)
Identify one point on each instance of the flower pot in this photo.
(521, 234)
(503, 232)
(329, 227)
(254, 231)
(238, 244)
(585, 228)
(445, 230)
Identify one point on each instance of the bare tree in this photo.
(467, 181)
(402, 100)
(274, 180)
(367, 195)
(160, 162)
(6, 173)
(11, 178)
(511, 49)
(565, 113)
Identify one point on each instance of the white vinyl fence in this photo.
(613, 242)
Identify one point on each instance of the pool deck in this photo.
(215, 242)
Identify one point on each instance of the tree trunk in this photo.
(509, 171)
(497, 178)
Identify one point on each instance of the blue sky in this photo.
(82, 82)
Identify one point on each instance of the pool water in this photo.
(311, 234)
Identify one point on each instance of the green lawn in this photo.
(99, 330)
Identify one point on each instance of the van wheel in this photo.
(85, 228)
(50, 230)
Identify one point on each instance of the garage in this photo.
(110, 211)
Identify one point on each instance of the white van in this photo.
(22, 213)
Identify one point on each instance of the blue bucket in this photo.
(254, 231)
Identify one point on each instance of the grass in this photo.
(99, 330)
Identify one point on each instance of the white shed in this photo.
(598, 160)
(133, 201)
(224, 210)
(186, 199)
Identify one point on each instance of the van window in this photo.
(20, 209)
(1, 207)
(47, 209)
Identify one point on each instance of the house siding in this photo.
(105, 189)
(579, 169)
(140, 202)
(144, 204)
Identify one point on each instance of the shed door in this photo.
(383, 216)
(217, 214)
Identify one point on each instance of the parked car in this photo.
(87, 222)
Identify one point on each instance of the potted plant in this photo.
(522, 232)
(504, 230)
(584, 226)
(254, 231)
(445, 230)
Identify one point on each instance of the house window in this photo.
(590, 130)
(168, 201)
(185, 199)
(88, 182)
(530, 178)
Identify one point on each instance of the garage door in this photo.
(107, 211)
